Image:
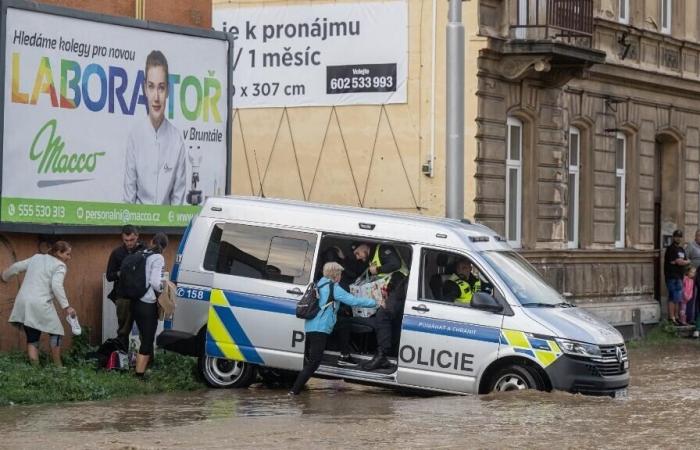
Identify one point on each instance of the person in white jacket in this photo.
(33, 309)
(145, 309)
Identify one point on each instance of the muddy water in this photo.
(660, 412)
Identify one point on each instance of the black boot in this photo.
(378, 362)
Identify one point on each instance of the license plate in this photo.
(620, 393)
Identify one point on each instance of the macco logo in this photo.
(51, 156)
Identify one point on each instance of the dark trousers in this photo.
(146, 317)
(314, 346)
(386, 318)
(344, 328)
(383, 325)
(125, 321)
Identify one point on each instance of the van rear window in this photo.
(260, 252)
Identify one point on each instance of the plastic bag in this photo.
(369, 287)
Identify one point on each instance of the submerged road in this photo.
(660, 412)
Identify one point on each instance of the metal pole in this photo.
(454, 189)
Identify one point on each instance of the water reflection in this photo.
(664, 394)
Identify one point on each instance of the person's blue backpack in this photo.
(132, 275)
(308, 307)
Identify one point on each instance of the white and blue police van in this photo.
(243, 264)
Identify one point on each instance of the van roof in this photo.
(371, 223)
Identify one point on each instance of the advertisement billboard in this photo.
(317, 54)
(109, 123)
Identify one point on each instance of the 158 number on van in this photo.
(192, 294)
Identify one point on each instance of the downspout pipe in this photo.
(454, 181)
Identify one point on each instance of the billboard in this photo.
(107, 123)
(317, 54)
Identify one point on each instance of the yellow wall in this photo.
(367, 156)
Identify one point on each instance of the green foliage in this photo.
(664, 333)
(79, 380)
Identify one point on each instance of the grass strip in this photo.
(80, 380)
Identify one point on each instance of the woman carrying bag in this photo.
(320, 327)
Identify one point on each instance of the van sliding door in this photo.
(260, 274)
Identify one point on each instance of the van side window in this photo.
(451, 277)
(259, 252)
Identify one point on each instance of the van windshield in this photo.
(523, 280)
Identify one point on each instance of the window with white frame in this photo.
(620, 161)
(574, 163)
(514, 185)
(624, 11)
(523, 14)
(666, 11)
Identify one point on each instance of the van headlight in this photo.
(579, 348)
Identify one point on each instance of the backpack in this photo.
(307, 307)
(105, 351)
(117, 360)
(132, 275)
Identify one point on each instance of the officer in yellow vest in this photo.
(384, 261)
(461, 285)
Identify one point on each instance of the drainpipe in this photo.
(454, 190)
(140, 9)
(431, 158)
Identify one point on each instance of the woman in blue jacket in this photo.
(318, 328)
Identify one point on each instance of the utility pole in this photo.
(454, 182)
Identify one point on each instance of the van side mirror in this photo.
(486, 302)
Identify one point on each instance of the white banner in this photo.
(317, 54)
(108, 124)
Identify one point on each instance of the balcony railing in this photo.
(569, 21)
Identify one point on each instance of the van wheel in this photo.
(513, 378)
(226, 373)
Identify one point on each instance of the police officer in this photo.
(385, 261)
(461, 285)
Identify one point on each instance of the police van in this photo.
(243, 264)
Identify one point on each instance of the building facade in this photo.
(588, 137)
(581, 139)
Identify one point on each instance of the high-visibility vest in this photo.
(377, 261)
(466, 291)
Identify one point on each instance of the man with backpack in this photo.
(130, 244)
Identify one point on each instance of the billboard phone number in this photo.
(33, 210)
(361, 78)
(364, 83)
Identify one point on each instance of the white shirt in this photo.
(155, 165)
(154, 277)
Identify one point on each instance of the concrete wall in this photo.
(83, 281)
(367, 156)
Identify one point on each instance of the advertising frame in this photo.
(128, 22)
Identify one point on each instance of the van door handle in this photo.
(420, 308)
(295, 291)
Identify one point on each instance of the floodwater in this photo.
(661, 411)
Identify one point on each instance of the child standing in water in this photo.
(688, 304)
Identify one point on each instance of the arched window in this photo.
(514, 181)
(573, 187)
(620, 187)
